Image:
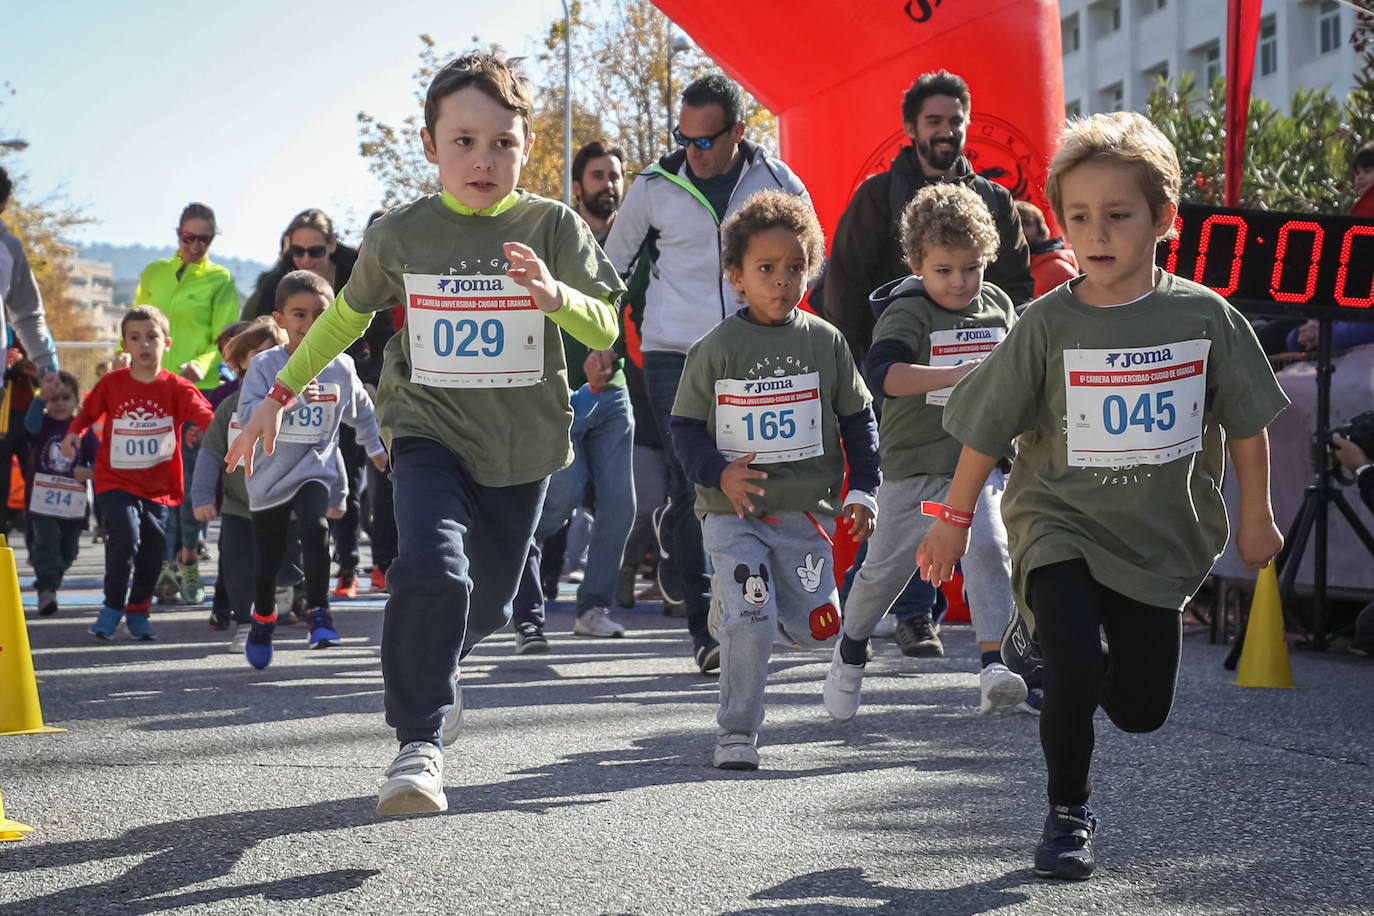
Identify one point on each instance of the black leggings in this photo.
(270, 531)
(1133, 682)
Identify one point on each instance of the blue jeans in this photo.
(680, 531)
(461, 548)
(54, 547)
(603, 434)
(137, 530)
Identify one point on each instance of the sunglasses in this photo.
(700, 142)
(190, 238)
(314, 251)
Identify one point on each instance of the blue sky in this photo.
(133, 109)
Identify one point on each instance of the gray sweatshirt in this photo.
(308, 445)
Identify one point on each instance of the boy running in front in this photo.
(473, 399)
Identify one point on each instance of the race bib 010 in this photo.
(1135, 406)
(57, 497)
(473, 332)
(953, 348)
(141, 443)
(777, 418)
(310, 422)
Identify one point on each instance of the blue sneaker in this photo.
(136, 619)
(258, 649)
(321, 626)
(105, 624)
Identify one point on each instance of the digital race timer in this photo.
(1273, 263)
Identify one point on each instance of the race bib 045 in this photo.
(777, 418)
(473, 332)
(1135, 406)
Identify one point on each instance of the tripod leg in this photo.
(1360, 530)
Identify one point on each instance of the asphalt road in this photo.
(189, 782)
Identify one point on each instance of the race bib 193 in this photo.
(141, 443)
(57, 497)
(952, 348)
(777, 418)
(1135, 406)
(312, 421)
(473, 332)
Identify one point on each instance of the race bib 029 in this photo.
(473, 332)
(1135, 406)
(952, 348)
(777, 418)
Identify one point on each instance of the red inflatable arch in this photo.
(834, 73)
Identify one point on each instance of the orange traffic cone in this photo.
(20, 713)
(1264, 660)
(10, 831)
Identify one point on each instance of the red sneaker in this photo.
(348, 585)
(379, 578)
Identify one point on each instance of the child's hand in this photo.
(861, 521)
(333, 513)
(1258, 543)
(944, 544)
(380, 462)
(735, 483)
(50, 386)
(192, 372)
(311, 391)
(533, 274)
(69, 442)
(205, 513)
(264, 424)
(965, 368)
(192, 436)
(82, 474)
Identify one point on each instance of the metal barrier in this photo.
(81, 357)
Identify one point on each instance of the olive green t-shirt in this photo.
(911, 438)
(739, 349)
(217, 440)
(1148, 530)
(504, 435)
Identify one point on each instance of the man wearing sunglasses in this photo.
(672, 216)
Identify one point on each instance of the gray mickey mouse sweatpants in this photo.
(891, 560)
(776, 579)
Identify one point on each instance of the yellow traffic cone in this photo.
(1264, 660)
(10, 831)
(20, 713)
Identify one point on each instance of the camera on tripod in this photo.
(1360, 430)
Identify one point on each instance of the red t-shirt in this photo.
(141, 450)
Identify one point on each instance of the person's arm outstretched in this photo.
(945, 542)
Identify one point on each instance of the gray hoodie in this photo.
(308, 444)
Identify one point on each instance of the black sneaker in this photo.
(920, 638)
(1065, 849)
(1020, 651)
(530, 640)
(219, 619)
(707, 654)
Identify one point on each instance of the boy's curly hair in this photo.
(1124, 138)
(948, 216)
(772, 210)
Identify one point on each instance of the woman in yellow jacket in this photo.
(199, 298)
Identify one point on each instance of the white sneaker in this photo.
(840, 694)
(238, 639)
(736, 751)
(597, 622)
(281, 600)
(715, 617)
(414, 782)
(886, 627)
(453, 722)
(1002, 690)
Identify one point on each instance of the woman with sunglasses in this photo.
(309, 243)
(199, 298)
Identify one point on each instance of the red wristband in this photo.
(281, 394)
(946, 514)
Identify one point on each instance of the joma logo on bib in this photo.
(1140, 359)
(468, 285)
(979, 334)
(769, 385)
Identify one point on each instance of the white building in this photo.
(1115, 50)
(90, 284)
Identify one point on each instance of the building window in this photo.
(1211, 65)
(1116, 16)
(1269, 47)
(1328, 26)
(1154, 6)
(1111, 98)
(1068, 34)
